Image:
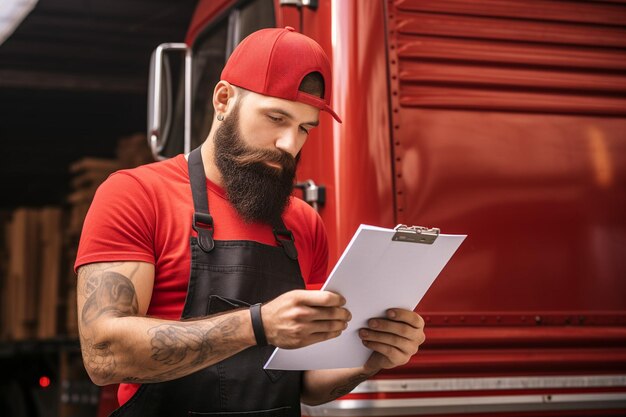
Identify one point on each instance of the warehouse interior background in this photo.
(73, 80)
(73, 97)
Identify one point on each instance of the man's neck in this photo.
(210, 169)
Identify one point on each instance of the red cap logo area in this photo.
(273, 62)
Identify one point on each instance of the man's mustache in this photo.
(251, 157)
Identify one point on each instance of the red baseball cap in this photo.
(274, 61)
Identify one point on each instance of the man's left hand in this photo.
(393, 339)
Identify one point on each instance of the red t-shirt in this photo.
(144, 214)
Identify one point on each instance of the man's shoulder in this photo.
(298, 208)
(301, 216)
(157, 174)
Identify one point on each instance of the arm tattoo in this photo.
(181, 343)
(348, 386)
(87, 271)
(172, 343)
(109, 292)
(91, 271)
(99, 358)
(106, 292)
(178, 348)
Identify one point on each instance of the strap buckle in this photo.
(203, 224)
(288, 244)
(202, 220)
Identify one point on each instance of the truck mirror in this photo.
(163, 93)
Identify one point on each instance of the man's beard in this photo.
(259, 193)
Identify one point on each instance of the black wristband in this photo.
(257, 325)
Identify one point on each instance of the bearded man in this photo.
(191, 270)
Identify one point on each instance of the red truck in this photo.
(501, 119)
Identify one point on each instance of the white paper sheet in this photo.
(374, 274)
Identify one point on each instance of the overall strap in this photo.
(285, 238)
(202, 221)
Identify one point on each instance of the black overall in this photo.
(226, 275)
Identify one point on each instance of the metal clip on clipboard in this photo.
(415, 234)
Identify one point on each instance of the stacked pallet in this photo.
(31, 285)
(38, 249)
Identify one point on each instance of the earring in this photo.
(220, 117)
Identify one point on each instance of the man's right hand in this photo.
(300, 318)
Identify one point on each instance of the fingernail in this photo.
(391, 314)
(374, 324)
(364, 333)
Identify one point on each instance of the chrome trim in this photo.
(464, 405)
(154, 126)
(504, 383)
(233, 34)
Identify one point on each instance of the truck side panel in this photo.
(511, 127)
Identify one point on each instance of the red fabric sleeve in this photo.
(319, 264)
(119, 225)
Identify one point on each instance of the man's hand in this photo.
(393, 339)
(300, 318)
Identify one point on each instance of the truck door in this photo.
(216, 28)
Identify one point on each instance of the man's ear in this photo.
(223, 97)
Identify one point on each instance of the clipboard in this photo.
(380, 269)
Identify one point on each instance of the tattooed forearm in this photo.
(109, 292)
(173, 343)
(180, 348)
(164, 350)
(120, 344)
(348, 386)
(187, 343)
